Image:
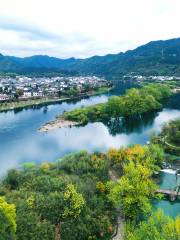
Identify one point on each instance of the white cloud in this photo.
(82, 28)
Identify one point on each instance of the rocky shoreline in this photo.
(57, 123)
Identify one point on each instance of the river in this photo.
(20, 141)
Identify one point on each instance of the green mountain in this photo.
(154, 58)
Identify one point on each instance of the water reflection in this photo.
(174, 102)
(129, 125)
(21, 142)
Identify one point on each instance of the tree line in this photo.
(77, 197)
(135, 103)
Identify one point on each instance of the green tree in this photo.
(19, 93)
(31, 226)
(157, 227)
(57, 207)
(73, 92)
(114, 107)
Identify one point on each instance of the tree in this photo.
(57, 207)
(7, 220)
(31, 226)
(12, 179)
(74, 202)
(73, 92)
(19, 93)
(157, 227)
(114, 107)
(133, 191)
(155, 154)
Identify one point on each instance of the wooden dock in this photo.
(172, 194)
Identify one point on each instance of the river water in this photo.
(21, 142)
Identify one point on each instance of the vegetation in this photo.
(134, 103)
(171, 131)
(77, 197)
(156, 227)
(172, 83)
(4, 106)
(169, 138)
(154, 58)
(133, 191)
(7, 220)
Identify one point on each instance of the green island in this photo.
(70, 95)
(87, 196)
(136, 102)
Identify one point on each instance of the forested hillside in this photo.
(154, 58)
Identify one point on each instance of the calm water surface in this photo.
(21, 142)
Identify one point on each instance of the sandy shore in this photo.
(58, 123)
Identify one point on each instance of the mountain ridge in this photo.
(160, 57)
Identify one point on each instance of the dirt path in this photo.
(119, 234)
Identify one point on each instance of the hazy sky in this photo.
(82, 28)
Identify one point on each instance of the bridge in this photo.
(172, 194)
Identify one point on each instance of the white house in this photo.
(27, 94)
(3, 97)
(37, 94)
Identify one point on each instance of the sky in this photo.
(83, 28)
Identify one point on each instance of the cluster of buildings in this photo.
(28, 88)
(151, 78)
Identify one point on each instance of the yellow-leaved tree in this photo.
(133, 191)
(7, 220)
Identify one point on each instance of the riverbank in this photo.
(6, 106)
(57, 123)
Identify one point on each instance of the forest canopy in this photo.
(136, 102)
(77, 197)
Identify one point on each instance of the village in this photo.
(172, 81)
(151, 78)
(24, 88)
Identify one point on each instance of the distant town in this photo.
(24, 88)
(172, 81)
(28, 88)
(151, 78)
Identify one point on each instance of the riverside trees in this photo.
(156, 227)
(169, 138)
(135, 102)
(133, 191)
(172, 132)
(76, 197)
